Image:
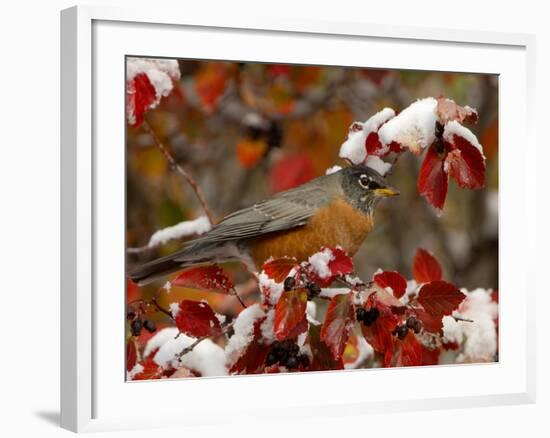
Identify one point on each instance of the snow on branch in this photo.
(183, 229)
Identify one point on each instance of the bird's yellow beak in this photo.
(386, 191)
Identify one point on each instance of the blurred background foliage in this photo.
(248, 130)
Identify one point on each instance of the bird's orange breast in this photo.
(338, 224)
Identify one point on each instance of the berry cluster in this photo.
(367, 317)
(411, 323)
(286, 354)
(313, 289)
(137, 324)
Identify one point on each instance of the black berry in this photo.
(130, 315)
(417, 326)
(294, 349)
(371, 316)
(282, 356)
(271, 359)
(136, 327)
(304, 360)
(276, 346)
(402, 331)
(313, 290)
(411, 320)
(292, 362)
(149, 326)
(289, 284)
(360, 314)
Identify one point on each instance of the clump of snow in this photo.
(320, 262)
(186, 228)
(354, 148)
(452, 330)
(136, 369)
(331, 292)
(267, 326)
(311, 313)
(207, 358)
(454, 128)
(333, 169)
(243, 332)
(271, 290)
(160, 73)
(365, 351)
(478, 339)
(412, 128)
(376, 163)
(174, 309)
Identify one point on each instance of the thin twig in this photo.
(174, 165)
(160, 308)
(239, 298)
(460, 318)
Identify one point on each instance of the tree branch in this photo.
(175, 166)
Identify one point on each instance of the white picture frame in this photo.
(93, 39)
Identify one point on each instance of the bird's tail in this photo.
(182, 259)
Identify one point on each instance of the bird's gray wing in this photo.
(284, 211)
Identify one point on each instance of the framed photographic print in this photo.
(279, 206)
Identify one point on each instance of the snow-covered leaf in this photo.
(290, 314)
(327, 264)
(392, 279)
(196, 319)
(278, 269)
(338, 323)
(448, 110)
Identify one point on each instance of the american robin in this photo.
(329, 211)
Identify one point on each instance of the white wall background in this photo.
(29, 215)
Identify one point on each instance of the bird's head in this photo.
(364, 187)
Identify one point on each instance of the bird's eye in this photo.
(368, 183)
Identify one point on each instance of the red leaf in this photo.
(432, 180)
(291, 171)
(432, 324)
(339, 264)
(133, 292)
(406, 352)
(131, 354)
(197, 319)
(278, 269)
(210, 277)
(322, 359)
(430, 357)
(379, 334)
(151, 370)
(465, 164)
(393, 280)
(426, 268)
(338, 323)
(290, 314)
(374, 146)
(440, 298)
(140, 95)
